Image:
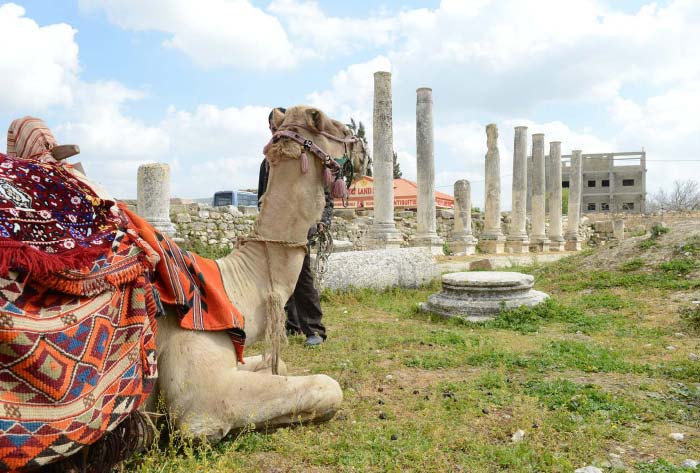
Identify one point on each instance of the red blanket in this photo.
(192, 284)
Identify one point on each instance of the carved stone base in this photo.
(556, 245)
(464, 246)
(433, 242)
(492, 247)
(539, 245)
(517, 247)
(384, 235)
(573, 244)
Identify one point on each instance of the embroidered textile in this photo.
(49, 220)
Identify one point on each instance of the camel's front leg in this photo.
(257, 364)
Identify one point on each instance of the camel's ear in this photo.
(316, 119)
(277, 118)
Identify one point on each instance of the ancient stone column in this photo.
(556, 240)
(426, 234)
(463, 241)
(517, 240)
(492, 239)
(538, 238)
(573, 240)
(383, 233)
(153, 196)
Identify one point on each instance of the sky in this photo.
(190, 83)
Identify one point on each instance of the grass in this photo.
(585, 374)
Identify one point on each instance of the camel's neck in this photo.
(248, 272)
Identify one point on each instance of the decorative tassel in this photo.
(340, 191)
(327, 177)
(18, 255)
(275, 332)
(304, 163)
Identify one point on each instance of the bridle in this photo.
(339, 170)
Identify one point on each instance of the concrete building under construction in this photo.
(612, 182)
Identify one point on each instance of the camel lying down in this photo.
(206, 392)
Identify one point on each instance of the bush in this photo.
(691, 316)
(658, 229)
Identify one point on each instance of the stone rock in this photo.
(677, 436)
(481, 265)
(588, 469)
(481, 296)
(688, 463)
(379, 269)
(693, 357)
(183, 218)
(518, 436)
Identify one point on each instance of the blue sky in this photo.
(190, 83)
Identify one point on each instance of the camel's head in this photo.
(314, 149)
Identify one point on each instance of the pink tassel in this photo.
(327, 178)
(340, 191)
(304, 163)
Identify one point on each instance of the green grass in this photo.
(583, 374)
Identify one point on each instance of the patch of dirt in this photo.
(667, 247)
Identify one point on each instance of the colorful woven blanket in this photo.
(73, 367)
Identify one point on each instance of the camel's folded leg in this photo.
(207, 396)
(257, 364)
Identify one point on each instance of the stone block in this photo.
(183, 218)
(379, 269)
(481, 265)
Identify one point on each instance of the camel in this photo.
(206, 392)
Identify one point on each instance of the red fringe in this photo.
(18, 255)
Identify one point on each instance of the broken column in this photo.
(538, 238)
(619, 229)
(492, 239)
(426, 234)
(463, 241)
(556, 240)
(573, 240)
(153, 196)
(517, 240)
(383, 233)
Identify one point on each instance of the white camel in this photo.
(206, 392)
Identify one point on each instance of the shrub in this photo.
(691, 316)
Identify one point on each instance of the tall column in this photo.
(426, 234)
(153, 196)
(573, 241)
(517, 240)
(492, 239)
(556, 240)
(383, 233)
(463, 241)
(538, 240)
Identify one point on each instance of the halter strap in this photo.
(308, 145)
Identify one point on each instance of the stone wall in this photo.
(221, 226)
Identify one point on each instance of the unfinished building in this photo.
(612, 182)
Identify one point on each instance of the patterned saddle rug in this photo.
(81, 282)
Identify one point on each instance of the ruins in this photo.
(480, 296)
(492, 239)
(153, 196)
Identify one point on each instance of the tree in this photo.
(358, 129)
(397, 167)
(683, 196)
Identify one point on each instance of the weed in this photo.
(632, 265)
(658, 229)
(659, 466)
(691, 316)
(681, 266)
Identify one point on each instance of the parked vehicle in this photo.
(236, 198)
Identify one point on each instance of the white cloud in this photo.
(319, 35)
(211, 33)
(38, 64)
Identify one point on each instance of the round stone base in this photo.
(480, 296)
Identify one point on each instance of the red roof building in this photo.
(405, 195)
